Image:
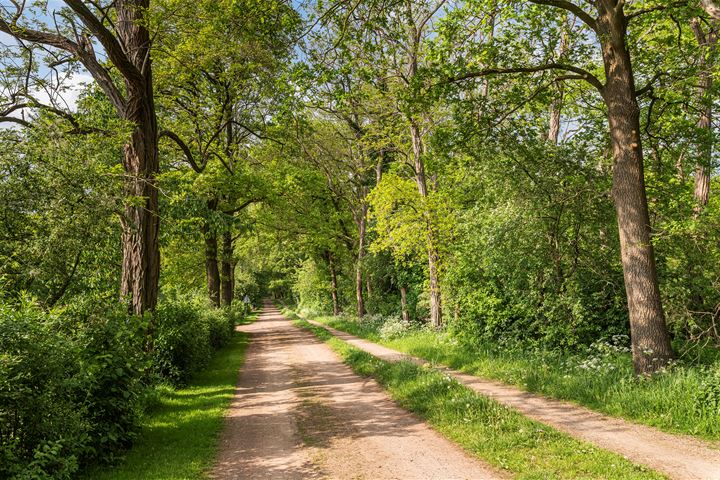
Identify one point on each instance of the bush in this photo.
(182, 341)
(221, 324)
(395, 327)
(69, 384)
(187, 332)
(73, 382)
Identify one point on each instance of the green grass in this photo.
(685, 399)
(179, 436)
(496, 434)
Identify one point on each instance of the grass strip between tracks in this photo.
(495, 434)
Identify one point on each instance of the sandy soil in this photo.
(677, 456)
(300, 413)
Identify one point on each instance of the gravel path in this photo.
(300, 413)
(677, 456)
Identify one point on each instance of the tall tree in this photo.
(707, 43)
(217, 90)
(609, 23)
(120, 29)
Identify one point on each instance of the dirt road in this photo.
(300, 413)
(678, 456)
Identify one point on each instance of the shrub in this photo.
(221, 324)
(73, 382)
(394, 327)
(707, 398)
(187, 332)
(69, 382)
(182, 341)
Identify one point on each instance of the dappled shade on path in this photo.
(299, 412)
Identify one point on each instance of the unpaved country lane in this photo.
(678, 456)
(300, 413)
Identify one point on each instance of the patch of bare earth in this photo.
(299, 412)
(677, 456)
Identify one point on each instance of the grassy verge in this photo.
(179, 436)
(685, 399)
(496, 434)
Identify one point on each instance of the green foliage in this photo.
(311, 287)
(681, 399)
(187, 333)
(73, 382)
(70, 383)
(178, 435)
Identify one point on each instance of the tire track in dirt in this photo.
(300, 413)
(678, 456)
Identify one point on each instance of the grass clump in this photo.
(178, 439)
(684, 398)
(496, 434)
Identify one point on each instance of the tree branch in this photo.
(19, 121)
(37, 36)
(656, 8)
(233, 211)
(649, 85)
(580, 73)
(113, 48)
(77, 128)
(586, 18)
(186, 150)
(82, 50)
(711, 8)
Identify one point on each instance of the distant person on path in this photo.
(246, 301)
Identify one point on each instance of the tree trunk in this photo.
(141, 222)
(555, 112)
(358, 264)
(404, 304)
(212, 272)
(227, 273)
(333, 283)
(703, 165)
(557, 102)
(211, 265)
(379, 167)
(433, 277)
(651, 348)
(433, 256)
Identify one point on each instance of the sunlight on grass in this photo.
(179, 436)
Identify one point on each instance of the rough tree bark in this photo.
(650, 339)
(141, 223)
(557, 102)
(333, 282)
(361, 221)
(432, 251)
(227, 273)
(712, 8)
(212, 273)
(404, 304)
(127, 52)
(706, 43)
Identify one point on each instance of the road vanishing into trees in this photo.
(301, 413)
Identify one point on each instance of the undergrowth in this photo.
(179, 434)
